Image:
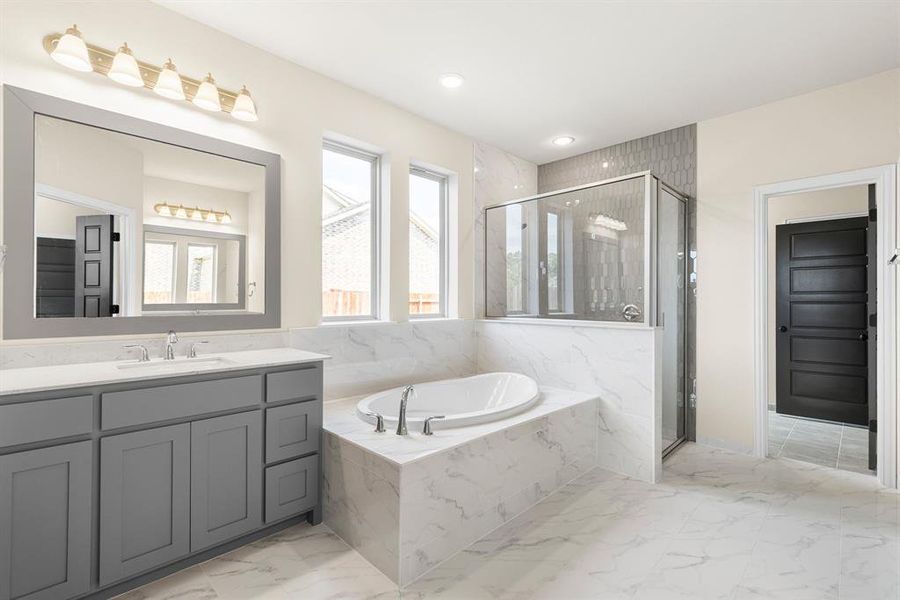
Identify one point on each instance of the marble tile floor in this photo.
(827, 444)
(720, 525)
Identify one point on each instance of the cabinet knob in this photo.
(783, 328)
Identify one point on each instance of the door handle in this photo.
(863, 335)
(783, 328)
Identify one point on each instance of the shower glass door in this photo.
(670, 318)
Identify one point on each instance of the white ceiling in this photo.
(604, 72)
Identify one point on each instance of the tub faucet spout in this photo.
(401, 421)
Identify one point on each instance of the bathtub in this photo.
(464, 401)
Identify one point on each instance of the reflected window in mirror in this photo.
(127, 226)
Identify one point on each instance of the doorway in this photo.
(867, 353)
(824, 302)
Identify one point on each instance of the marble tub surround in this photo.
(369, 357)
(35, 379)
(620, 364)
(409, 502)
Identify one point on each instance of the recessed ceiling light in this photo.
(451, 80)
(563, 140)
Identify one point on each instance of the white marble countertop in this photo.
(341, 420)
(56, 377)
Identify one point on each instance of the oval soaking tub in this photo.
(464, 401)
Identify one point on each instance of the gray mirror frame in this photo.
(19, 109)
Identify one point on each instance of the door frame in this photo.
(128, 234)
(885, 180)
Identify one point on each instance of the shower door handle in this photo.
(631, 312)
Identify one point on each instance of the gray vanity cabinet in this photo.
(226, 478)
(145, 499)
(45, 522)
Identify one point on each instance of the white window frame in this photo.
(444, 239)
(375, 239)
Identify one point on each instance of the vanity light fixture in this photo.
(207, 96)
(563, 140)
(70, 50)
(179, 211)
(244, 109)
(125, 69)
(168, 84)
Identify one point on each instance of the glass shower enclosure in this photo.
(612, 251)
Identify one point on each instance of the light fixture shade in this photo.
(168, 85)
(207, 96)
(125, 69)
(244, 108)
(451, 80)
(71, 51)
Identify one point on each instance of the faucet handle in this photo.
(426, 428)
(192, 353)
(145, 354)
(379, 421)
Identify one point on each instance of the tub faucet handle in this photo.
(426, 428)
(379, 421)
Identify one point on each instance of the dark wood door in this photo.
(55, 278)
(822, 317)
(93, 266)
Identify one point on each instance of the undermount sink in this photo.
(178, 364)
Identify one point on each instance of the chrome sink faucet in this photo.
(171, 340)
(401, 421)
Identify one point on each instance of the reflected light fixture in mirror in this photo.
(244, 109)
(168, 84)
(125, 69)
(179, 211)
(70, 51)
(207, 96)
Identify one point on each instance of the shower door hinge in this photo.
(692, 397)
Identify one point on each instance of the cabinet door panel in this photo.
(293, 430)
(226, 478)
(45, 520)
(144, 500)
(292, 488)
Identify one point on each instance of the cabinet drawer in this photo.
(294, 385)
(45, 420)
(134, 407)
(293, 430)
(292, 488)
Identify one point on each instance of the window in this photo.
(201, 285)
(427, 244)
(350, 232)
(554, 272)
(159, 272)
(516, 285)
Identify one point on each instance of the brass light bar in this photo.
(102, 59)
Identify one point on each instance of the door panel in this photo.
(226, 478)
(94, 265)
(822, 353)
(144, 500)
(45, 522)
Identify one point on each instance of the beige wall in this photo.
(819, 204)
(845, 127)
(296, 108)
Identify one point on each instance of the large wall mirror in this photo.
(117, 225)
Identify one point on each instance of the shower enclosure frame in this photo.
(652, 185)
